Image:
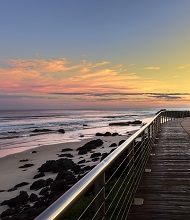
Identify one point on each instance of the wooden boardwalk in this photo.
(166, 189)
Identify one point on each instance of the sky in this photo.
(94, 54)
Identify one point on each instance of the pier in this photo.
(146, 177)
(165, 184)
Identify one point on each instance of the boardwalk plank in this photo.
(166, 189)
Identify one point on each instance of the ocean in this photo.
(17, 127)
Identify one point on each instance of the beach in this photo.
(12, 175)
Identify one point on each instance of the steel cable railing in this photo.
(114, 181)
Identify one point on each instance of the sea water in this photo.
(17, 126)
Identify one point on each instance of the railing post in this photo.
(100, 199)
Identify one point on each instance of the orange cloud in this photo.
(48, 76)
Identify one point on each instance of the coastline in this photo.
(11, 174)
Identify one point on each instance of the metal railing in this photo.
(108, 190)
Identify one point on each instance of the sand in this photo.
(11, 174)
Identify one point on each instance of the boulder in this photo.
(82, 161)
(21, 184)
(41, 130)
(41, 174)
(27, 165)
(24, 160)
(115, 134)
(82, 151)
(34, 152)
(59, 185)
(121, 142)
(44, 190)
(20, 199)
(107, 134)
(62, 174)
(66, 149)
(113, 145)
(38, 184)
(6, 213)
(104, 155)
(33, 197)
(119, 124)
(95, 155)
(95, 159)
(90, 145)
(65, 155)
(57, 165)
(61, 130)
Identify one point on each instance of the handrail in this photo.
(56, 210)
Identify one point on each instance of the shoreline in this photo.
(12, 175)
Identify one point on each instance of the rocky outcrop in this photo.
(89, 146)
(136, 122)
(61, 130)
(20, 199)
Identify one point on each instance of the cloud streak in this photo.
(152, 68)
(61, 75)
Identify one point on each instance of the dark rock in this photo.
(35, 211)
(59, 185)
(62, 174)
(20, 216)
(41, 130)
(34, 152)
(112, 150)
(66, 149)
(95, 159)
(113, 145)
(27, 165)
(33, 197)
(82, 161)
(65, 155)
(49, 180)
(43, 191)
(21, 184)
(121, 142)
(61, 130)
(95, 155)
(71, 179)
(107, 134)
(76, 169)
(82, 151)
(20, 199)
(41, 174)
(57, 165)
(104, 155)
(38, 184)
(136, 122)
(40, 203)
(99, 134)
(2, 190)
(24, 160)
(12, 189)
(47, 166)
(81, 135)
(104, 134)
(90, 145)
(86, 168)
(6, 213)
(118, 124)
(84, 125)
(115, 134)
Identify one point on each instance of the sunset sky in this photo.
(93, 54)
